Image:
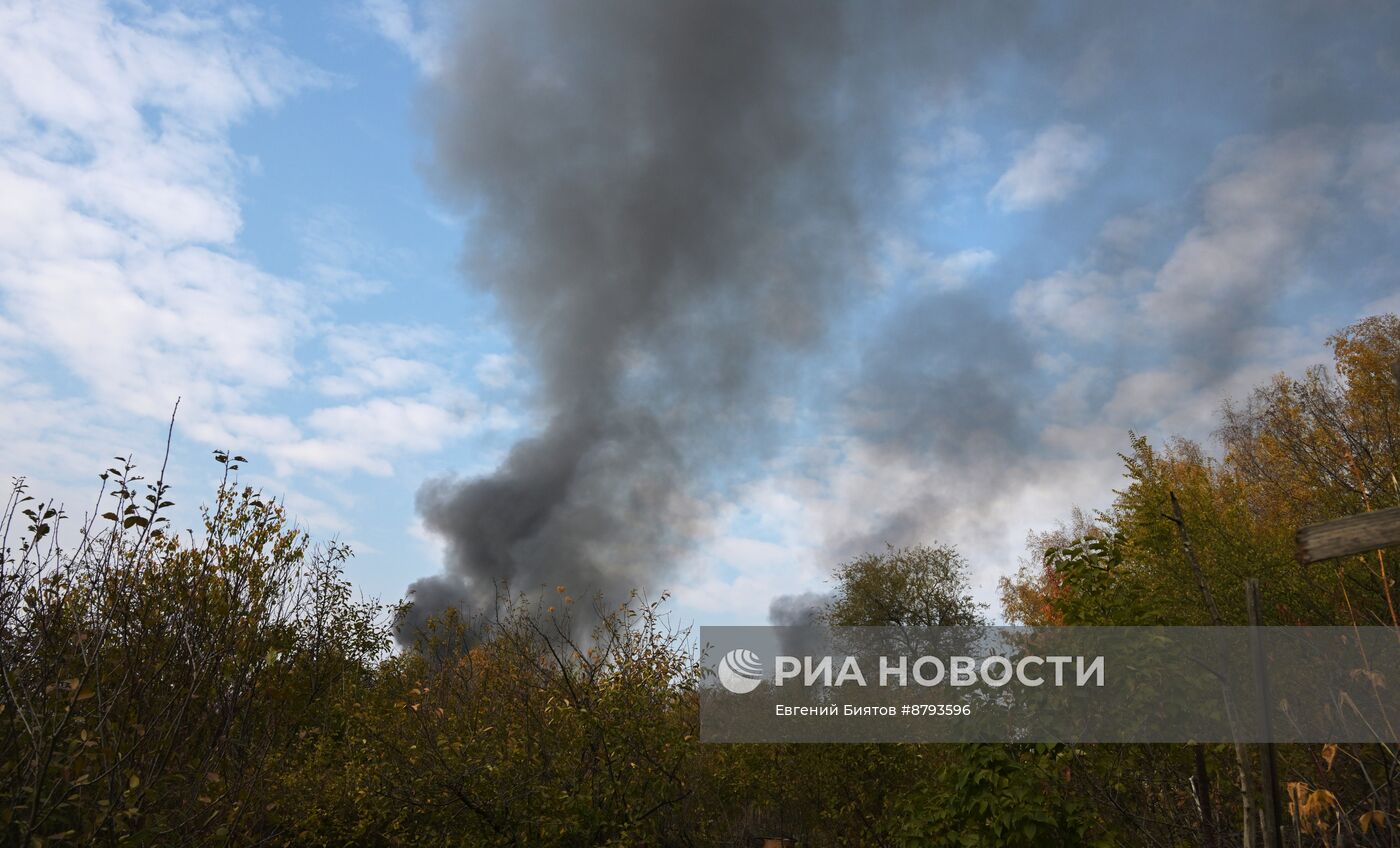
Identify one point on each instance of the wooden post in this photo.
(1353, 534)
(1268, 765)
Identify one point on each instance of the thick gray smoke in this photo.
(671, 201)
(800, 610)
(667, 201)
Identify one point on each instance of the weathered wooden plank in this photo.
(1354, 534)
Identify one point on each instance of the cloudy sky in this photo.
(786, 286)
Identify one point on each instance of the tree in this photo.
(999, 796)
(916, 586)
(1296, 451)
(508, 730)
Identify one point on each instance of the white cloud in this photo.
(762, 543)
(497, 370)
(368, 358)
(377, 373)
(368, 435)
(1049, 169)
(1264, 205)
(122, 282)
(1258, 219)
(418, 29)
(1148, 396)
(904, 259)
(1083, 306)
(117, 200)
(785, 532)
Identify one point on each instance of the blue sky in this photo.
(233, 204)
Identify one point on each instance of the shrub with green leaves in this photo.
(152, 681)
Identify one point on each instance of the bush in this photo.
(152, 683)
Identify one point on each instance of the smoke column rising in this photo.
(666, 200)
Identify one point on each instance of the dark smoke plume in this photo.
(667, 199)
(800, 610)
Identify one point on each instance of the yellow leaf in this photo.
(1329, 752)
(1323, 797)
(133, 782)
(85, 694)
(1374, 817)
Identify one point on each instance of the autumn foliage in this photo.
(226, 686)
